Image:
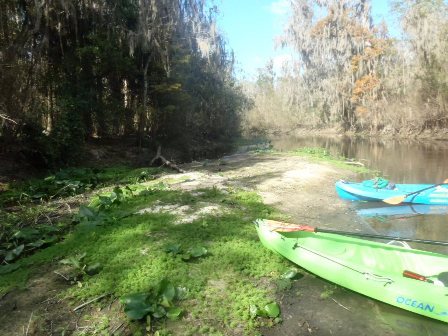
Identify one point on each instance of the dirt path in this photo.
(295, 186)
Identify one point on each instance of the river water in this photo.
(400, 161)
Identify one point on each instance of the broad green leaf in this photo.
(86, 212)
(48, 229)
(165, 302)
(181, 293)
(38, 195)
(167, 290)
(272, 309)
(74, 261)
(113, 196)
(93, 269)
(173, 313)
(42, 242)
(291, 274)
(136, 306)
(159, 312)
(253, 311)
(71, 261)
(4, 269)
(186, 256)
(198, 251)
(105, 200)
(13, 254)
(26, 234)
(37, 243)
(173, 248)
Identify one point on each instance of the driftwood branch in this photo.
(165, 162)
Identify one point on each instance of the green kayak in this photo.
(410, 279)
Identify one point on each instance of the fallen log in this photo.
(165, 162)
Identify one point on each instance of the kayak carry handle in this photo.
(416, 276)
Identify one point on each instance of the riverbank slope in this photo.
(152, 235)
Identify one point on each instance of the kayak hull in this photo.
(353, 191)
(369, 268)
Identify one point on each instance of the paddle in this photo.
(288, 227)
(400, 198)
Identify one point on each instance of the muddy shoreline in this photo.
(304, 191)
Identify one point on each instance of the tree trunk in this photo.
(142, 116)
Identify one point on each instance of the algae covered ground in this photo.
(145, 251)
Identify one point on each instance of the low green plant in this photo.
(27, 239)
(79, 267)
(154, 306)
(271, 310)
(190, 254)
(327, 293)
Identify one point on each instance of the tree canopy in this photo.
(154, 69)
(350, 73)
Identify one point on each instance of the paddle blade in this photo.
(394, 200)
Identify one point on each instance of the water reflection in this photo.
(402, 161)
(410, 221)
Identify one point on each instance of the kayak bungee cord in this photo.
(367, 275)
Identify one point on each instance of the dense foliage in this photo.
(348, 72)
(155, 70)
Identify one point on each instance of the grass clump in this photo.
(318, 154)
(35, 214)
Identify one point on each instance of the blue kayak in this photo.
(363, 191)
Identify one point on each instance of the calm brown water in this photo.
(401, 162)
(404, 161)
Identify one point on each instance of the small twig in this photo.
(48, 300)
(3, 116)
(340, 305)
(354, 163)
(29, 322)
(62, 275)
(116, 328)
(69, 208)
(307, 326)
(111, 303)
(90, 301)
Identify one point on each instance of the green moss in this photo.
(130, 247)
